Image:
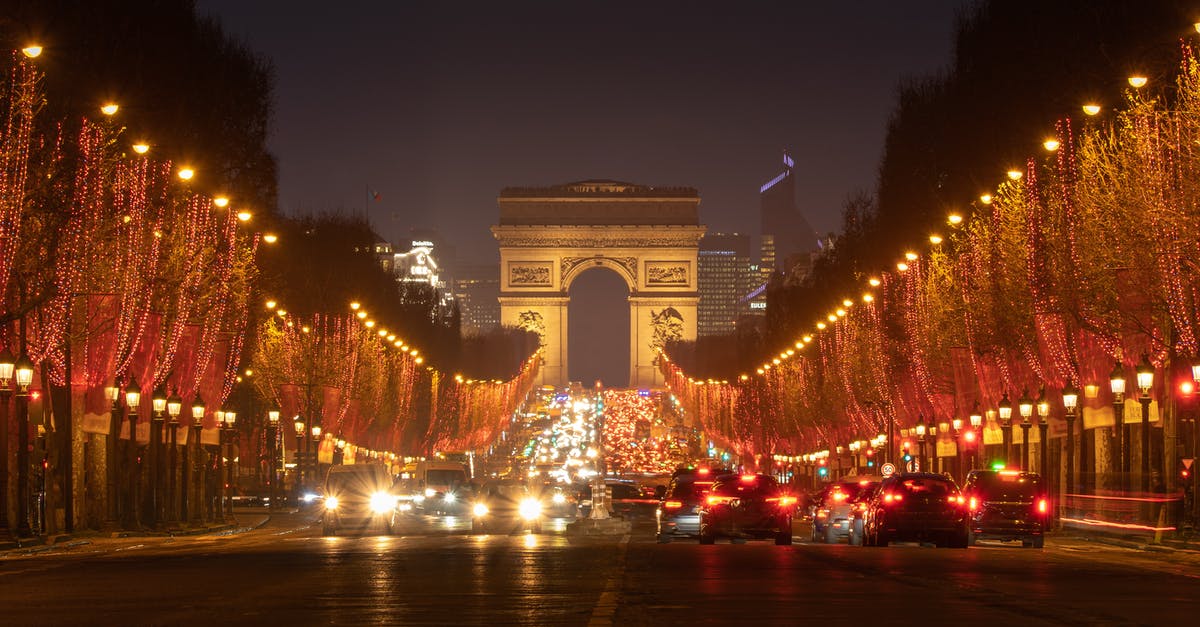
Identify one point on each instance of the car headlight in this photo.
(530, 509)
(559, 499)
(480, 510)
(382, 502)
(331, 502)
(449, 497)
(418, 498)
(429, 492)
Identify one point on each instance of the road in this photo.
(436, 573)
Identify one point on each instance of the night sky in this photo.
(438, 105)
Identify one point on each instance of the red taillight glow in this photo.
(717, 500)
(672, 504)
(892, 497)
(974, 504)
(702, 471)
(749, 478)
(956, 500)
(783, 501)
(839, 496)
(1042, 506)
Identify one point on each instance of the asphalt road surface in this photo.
(435, 572)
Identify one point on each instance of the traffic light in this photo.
(1185, 468)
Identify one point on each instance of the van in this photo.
(435, 486)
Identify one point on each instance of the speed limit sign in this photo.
(887, 469)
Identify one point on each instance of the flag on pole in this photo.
(376, 196)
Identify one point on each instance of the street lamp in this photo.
(1145, 381)
(174, 408)
(301, 445)
(1043, 411)
(921, 442)
(158, 405)
(133, 399)
(956, 425)
(1005, 411)
(1025, 406)
(195, 479)
(976, 422)
(1070, 402)
(273, 458)
(230, 421)
(1116, 382)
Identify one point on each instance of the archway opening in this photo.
(598, 329)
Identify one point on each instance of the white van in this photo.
(435, 486)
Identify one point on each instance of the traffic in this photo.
(574, 454)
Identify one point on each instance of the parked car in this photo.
(359, 497)
(742, 507)
(916, 507)
(1007, 505)
(506, 506)
(831, 518)
(678, 513)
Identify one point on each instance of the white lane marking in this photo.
(606, 605)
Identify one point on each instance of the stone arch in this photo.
(572, 267)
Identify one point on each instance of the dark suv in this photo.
(747, 506)
(1007, 505)
(916, 507)
(678, 514)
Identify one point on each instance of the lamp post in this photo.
(1070, 402)
(133, 398)
(194, 478)
(174, 408)
(921, 443)
(1005, 412)
(976, 424)
(314, 453)
(955, 433)
(23, 375)
(1116, 382)
(1145, 381)
(218, 512)
(301, 442)
(1025, 406)
(7, 364)
(854, 456)
(113, 511)
(158, 405)
(227, 496)
(1043, 412)
(272, 458)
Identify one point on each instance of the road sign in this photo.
(1187, 462)
(887, 469)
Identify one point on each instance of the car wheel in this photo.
(664, 538)
(783, 538)
(707, 539)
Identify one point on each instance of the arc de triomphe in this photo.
(647, 235)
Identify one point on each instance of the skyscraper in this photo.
(724, 276)
(787, 237)
(477, 289)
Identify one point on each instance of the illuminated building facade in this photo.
(725, 276)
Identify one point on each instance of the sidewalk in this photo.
(246, 520)
(1189, 544)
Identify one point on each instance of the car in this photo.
(831, 517)
(678, 513)
(506, 506)
(436, 487)
(750, 506)
(358, 496)
(1007, 504)
(558, 500)
(916, 507)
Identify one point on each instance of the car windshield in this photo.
(742, 487)
(690, 489)
(445, 477)
(510, 491)
(926, 486)
(1007, 486)
(356, 483)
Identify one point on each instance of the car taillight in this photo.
(672, 504)
(892, 498)
(1042, 506)
(839, 496)
(717, 500)
(783, 501)
(956, 500)
(974, 504)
